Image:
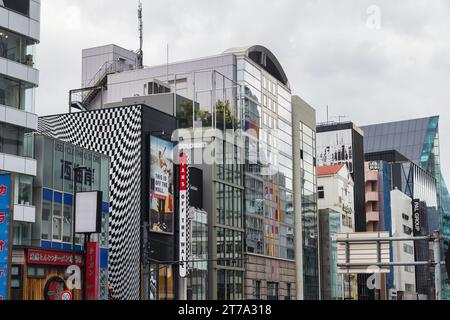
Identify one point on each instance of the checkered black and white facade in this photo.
(116, 133)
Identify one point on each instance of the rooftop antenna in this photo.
(140, 52)
(340, 118)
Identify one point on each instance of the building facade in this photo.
(336, 215)
(343, 143)
(242, 89)
(19, 78)
(51, 234)
(418, 141)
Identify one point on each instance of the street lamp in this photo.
(75, 175)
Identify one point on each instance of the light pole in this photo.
(75, 171)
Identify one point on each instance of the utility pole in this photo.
(437, 261)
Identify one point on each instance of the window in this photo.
(321, 192)
(272, 291)
(408, 249)
(16, 48)
(16, 94)
(21, 6)
(409, 269)
(12, 139)
(288, 292)
(57, 221)
(36, 272)
(257, 289)
(46, 222)
(23, 193)
(405, 217)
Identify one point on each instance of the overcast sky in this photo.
(372, 61)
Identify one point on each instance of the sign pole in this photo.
(437, 267)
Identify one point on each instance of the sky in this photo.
(368, 61)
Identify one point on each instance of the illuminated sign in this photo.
(5, 201)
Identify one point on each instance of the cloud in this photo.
(331, 57)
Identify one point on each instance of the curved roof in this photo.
(271, 65)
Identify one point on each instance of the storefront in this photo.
(45, 250)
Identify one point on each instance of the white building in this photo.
(402, 226)
(335, 192)
(19, 34)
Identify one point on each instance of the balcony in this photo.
(24, 213)
(372, 197)
(16, 164)
(373, 216)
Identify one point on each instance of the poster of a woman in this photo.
(161, 186)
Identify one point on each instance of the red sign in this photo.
(3, 190)
(183, 172)
(2, 217)
(53, 258)
(65, 295)
(92, 268)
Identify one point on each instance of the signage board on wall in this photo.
(5, 220)
(161, 186)
(416, 217)
(53, 258)
(183, 216)
(92, 270)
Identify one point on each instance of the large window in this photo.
(16, 94)
(20, 6)
(12, 140)
(23, 190)
(16, 48)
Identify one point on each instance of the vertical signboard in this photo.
(5, 220)
(161, 186)
(92, 270)
(416, 217)
(183, 216)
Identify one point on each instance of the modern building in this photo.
(305, 200)
(418, 141)
(142, 228)
(336, 215)
(404, 283)
(45, 249)
(343, 143)
(19, 78)
(241, 89)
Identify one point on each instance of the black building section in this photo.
(159, 250)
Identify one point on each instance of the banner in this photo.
(5, 220)
(53, 258)
(92, 270)
(183, 218)
(161, 186)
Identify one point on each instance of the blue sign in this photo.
(5, 199)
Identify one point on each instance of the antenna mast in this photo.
(140, 52)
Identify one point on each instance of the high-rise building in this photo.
(417, 140)
(19, 35)
(343, 143)
(241, 89)
(305, 199)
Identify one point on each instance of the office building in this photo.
(241, 89)
(19, 78)
(305, 200)
(45, 249)
(343, 143)
(418, 141)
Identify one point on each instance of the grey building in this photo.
(241, 89)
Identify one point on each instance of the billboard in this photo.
(335, 147)
(92, 270)
(161, 186)
(88, 212)
(183, 216)
(5, 220)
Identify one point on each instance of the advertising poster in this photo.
(5, 199)
(161, 186)
(335, 147)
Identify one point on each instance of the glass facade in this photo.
(58, 160)
(268, 163)
(17, 48)
(17, 94)
(418, 140)
(14, 140)
(309, 212)
(229, 221)
(197, 279)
